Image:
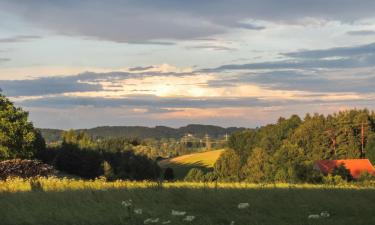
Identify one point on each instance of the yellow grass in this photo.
(182, 164)
(206, 159)
(63, 184)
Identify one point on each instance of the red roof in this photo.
(356, 166)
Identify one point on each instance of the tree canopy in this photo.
(286, 151)
(18, 137)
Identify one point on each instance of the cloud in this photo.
(364, 61)
(312, 81)
(140, 68)
(19, 38)
(332, 58)
(49, 85)
(89, 81)
(352, 51)
(147, 101)
(212, 47)
(250, 26)
(142, 21)
(361, 32)
(4, 60)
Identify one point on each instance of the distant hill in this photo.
(182, 164)
(52, 135)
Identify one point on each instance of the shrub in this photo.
(343, 172)
(366, 176)
(331, 179)
(194, 175)
(168, 174)
(107, 170)
(210, 177)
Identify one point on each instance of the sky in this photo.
(87, 63)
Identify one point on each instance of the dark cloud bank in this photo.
(143, 21)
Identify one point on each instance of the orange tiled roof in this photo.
(356, 166)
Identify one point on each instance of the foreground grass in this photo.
(98, 202)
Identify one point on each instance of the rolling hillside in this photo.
(158, 132)
(182, 164)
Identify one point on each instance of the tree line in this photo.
(78, 154)
(286, 151)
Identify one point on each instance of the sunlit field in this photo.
(182, 164)
(68, 201)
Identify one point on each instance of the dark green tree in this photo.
(227, 167)
(18, 137)
(258, 167)
(370, 148)
(343, 172)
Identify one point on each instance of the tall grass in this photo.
(63, 184)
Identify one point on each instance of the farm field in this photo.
(98, 202)
(182, 164)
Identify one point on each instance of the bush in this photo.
(334, 180)
(210, 177)
(168, 174)
(194, 175)
(343, 172)
(366, 176)
(24, 169)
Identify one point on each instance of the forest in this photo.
(287, 150)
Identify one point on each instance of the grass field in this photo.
(100, 203)
(182, 164)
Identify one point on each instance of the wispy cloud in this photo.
(332, 58)
(19, 38)
(361, 32)
(352, 51)
(212, 47)
(2, 60)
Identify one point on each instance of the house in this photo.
(355, 166)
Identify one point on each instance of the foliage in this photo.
(195, 175)
(287, 150)
(228, 166)
(210, 177)
(370, 148)
(343, 172)
(331, 179)
(80, 155)
(366, 176)
(107, 170)
(18, 138)
(168, 174)
(257, 168)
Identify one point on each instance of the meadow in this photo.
(68, 201)
(182, 164)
